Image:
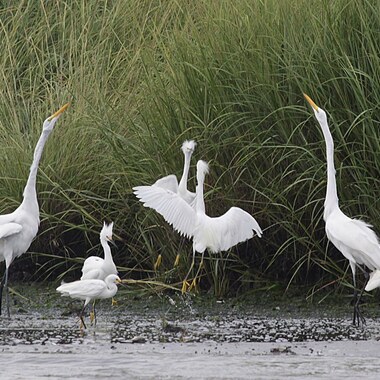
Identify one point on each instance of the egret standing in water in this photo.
(88, 290)
(19, 228)
(170, 183)
(216, 234)
(352, 237)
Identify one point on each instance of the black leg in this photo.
(358, 317)
(1, 291)
(81, 317)
(7, 291)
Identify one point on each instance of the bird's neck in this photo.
(30, 192)
(199, 201)
(182, 186)
(107, 251)
(111, 289)
(331, 201)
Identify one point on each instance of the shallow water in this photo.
(168, 341)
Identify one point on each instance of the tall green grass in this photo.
(142, 77)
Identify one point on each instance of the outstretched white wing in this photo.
(169, 182)
(176, 211)
(221, 233)
(9, 229)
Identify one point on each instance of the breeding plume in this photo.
(95, 267)
(352, 237)
(213, 233)
(19, 228)
(88, 290)
(170, 183)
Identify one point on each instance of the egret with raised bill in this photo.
(352, 237)
(19, 228)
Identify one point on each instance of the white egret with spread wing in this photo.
(352, 237)
(90, 289)
(170, 183)
(19, 228)
(215, 234)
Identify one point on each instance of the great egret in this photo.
(213, 233)
(170, 182)
(353, 237)
(91, 289)
(19, 228)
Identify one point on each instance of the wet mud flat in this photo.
(175, 337)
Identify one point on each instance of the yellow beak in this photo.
(310, 102)
(62, 109)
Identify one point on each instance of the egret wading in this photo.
(171, 184)
(216, 234)
(19, 228)
(352, 237)
(91, 289)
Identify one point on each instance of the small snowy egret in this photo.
(352, 237)
(215, 234)
(91, 289)
(19, 228)
(170, 183)
(95, 267)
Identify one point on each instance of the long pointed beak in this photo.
(62, 109)
(310, 101)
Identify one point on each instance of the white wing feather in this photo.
(176, 211)
(90, 269)
(221, 233)
(169, 182)
(82, 289)
(9, 229)
(354, 238)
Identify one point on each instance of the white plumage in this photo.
(95, 267)
(91, 289)
(19, 228)
(352, 237)
(213, 233)
(88, 290)
(170, 182)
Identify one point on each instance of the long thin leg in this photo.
(359, 314)
(357, 317)
(81, 317)
(1, 290)
(185, 283)
(93, 314)
(7, 291)
(200, 266)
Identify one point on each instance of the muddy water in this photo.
(172, 341)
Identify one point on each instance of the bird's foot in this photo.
(194, 284)
(114, 302)
(176, 262)
(358, 316)
(185, 286)
(158, 262)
